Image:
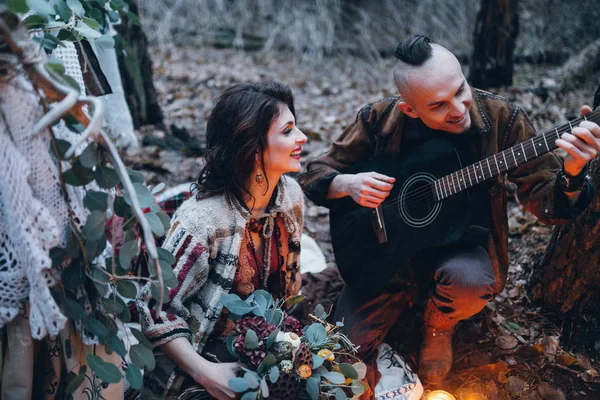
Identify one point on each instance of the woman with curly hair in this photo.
(239, 232)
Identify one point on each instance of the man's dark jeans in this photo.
(461, 282)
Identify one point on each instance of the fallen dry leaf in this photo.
(516, 386)
(565, 359)
(506, 342)
(550, 393)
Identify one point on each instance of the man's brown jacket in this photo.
(377, 132)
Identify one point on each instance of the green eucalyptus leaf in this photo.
(106, 41)
(18, 6)
(78, 176)
(127, 289)
(294, 300)
(239, 307)
(94, 226)
(35, 21)
(316, 334)
(238, 385)
(107, 372)
(165, 219)
(166, 256)
(156, 224)
(96, 327)
(122, 209)
(92, 23)
(156, 189)
(361, 369)
(113, 305)
(88, 157)
(264, 387)
(357, 387)
(74, 383)
(106, 177)
(317, 361)
(134, 377)
(128, 251)
(334, 377)
(277, 317)
(113, 16)
(251, 340)
(87, 32)
(312, 388)
(117, 345)
(135, 176)
(96, 201)
(40, 7)
(62, 146)
(271, 338)
(73, 276)
(348, 370)
(57, 255)
(145, 198)
(155, 292)
(266, 363)
(339, 394)
(228, 298)
(73, 309)
(76, 7)
(168, 275)
(142, 356)
(274, 374)
(252, 378)
(133, 19)
(141, 338)
(249, 396)
(319, 311)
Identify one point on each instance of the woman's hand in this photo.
(214, 377)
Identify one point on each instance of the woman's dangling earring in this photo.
(259, 177)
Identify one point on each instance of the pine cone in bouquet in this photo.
(286, 386)
(303, 355)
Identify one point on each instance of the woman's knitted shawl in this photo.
(205, 238)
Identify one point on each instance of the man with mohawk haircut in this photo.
(435, 101)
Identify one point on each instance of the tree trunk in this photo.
(568, 277)
(496, 32)
(136, 72)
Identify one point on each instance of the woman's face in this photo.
(284, 143)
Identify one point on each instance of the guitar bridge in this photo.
(379, 225)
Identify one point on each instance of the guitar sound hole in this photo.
(419, 202)
(416, 204)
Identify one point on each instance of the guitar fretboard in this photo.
(505, 160)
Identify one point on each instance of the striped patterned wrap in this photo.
(206, 237)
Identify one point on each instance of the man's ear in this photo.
(407, 109)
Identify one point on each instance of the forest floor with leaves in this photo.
(512, 349)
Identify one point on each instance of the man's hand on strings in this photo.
(582, 144)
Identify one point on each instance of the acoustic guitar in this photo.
(427, 208)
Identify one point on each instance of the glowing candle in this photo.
(440, 395)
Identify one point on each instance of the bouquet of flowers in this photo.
(284, 360)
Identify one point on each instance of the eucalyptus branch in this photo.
(105, 142)
(16, 39)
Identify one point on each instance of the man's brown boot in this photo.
(435, 358)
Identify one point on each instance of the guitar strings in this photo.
(426, 191)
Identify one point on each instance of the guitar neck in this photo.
(508, 159)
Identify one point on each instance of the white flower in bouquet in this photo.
(289, 337)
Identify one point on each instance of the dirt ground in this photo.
(512, 349)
